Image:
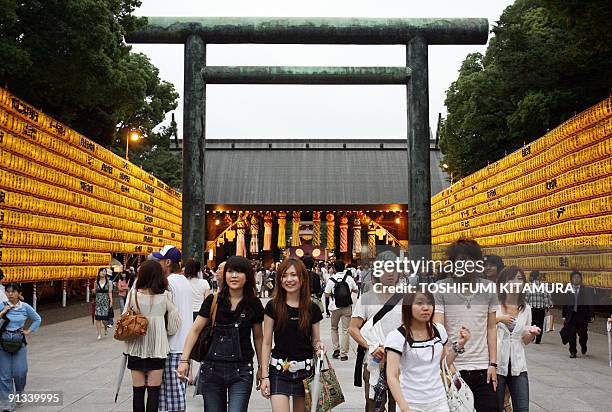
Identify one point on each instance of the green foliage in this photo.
(153, 154)
(68, 58)
(548, 60)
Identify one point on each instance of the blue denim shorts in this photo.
(288, 383)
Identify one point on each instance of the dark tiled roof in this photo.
(250, 172)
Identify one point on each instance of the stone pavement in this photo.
(67, 357)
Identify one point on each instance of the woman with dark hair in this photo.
(123, 287)
(103, 290)
(226, 373)
(415, 351)
(13, 349)
(514, 331)
(147, 354)
(199, 287)
(292, 319)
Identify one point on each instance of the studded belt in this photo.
(286, 365)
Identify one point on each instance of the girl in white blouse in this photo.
(147, 354)
(514, 331)
(414, 353)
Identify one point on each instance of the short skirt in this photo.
(288, 383)
(135, 363)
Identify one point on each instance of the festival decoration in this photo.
(356, 236)
(295, 229)
(316, 228)
(331, 245)
(343, 234)
(371, 240)
(240, 240)
(282, 237)
(254, 244)
(268, 222)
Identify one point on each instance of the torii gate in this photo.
(416, 34)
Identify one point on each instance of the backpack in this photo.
(342, 292)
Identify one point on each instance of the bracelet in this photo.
(457, 349)
(265, 377)
(183, 361)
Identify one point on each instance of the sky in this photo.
(300, 111)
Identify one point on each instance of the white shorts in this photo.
(441, 405)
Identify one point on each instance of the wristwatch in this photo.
(457, 349)
(493, 364)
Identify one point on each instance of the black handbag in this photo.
(11, 346)
(200, 348)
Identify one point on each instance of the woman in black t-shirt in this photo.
(226, 375)
(293, 320)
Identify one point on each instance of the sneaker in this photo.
(336, 354)
(344, 358)
(572, 355)
(99, 337)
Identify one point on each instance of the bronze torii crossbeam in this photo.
(417, 34)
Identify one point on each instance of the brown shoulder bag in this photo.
(131, 325)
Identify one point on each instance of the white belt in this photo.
(291, 366)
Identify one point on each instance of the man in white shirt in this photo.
(173, 390)
(386, 309)
(475, 311)
(340, 288)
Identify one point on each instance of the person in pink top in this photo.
(123, 287)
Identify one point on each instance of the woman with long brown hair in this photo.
(147, 354)
(414, 355)
(292, 321)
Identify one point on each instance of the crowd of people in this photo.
(403, 340)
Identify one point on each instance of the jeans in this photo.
(485, 399)
(519, 392)
(122, 302)
(226, 380)
(13, 368)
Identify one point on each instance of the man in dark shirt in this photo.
(316, 291)
(578, 313)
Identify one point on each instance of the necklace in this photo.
(468, 300)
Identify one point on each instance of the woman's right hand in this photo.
(265, 388)
(506, 319)
(406, 408)
(183, 371)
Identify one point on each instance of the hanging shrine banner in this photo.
(357, 236)
(282, 229)
(316, 228)
(254, 245)
(343, 234)
(295, 229)
(372, 241)
(331, 244)
(240, 240)
(268, 231)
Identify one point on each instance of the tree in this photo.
(548, 60)
(68, 58)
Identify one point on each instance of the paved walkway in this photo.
(67, 357)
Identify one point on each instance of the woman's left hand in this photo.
(26, 332)
(320, 347)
